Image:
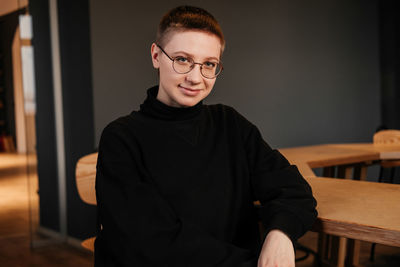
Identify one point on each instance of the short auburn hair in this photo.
(184, 18)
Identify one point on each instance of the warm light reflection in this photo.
(18, 191)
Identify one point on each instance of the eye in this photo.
(210, 65)
(181, 60)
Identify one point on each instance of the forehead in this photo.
(197, 43)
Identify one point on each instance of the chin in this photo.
(188, 102)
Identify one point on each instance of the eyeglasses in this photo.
(183, 65)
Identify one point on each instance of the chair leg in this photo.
(300, 247)
(392, 174)
(380, 175)
(372, 254)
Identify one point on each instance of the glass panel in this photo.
(29, 107)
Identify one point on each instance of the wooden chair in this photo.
(386, 138)
(85, 173)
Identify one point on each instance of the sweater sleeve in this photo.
(138, 226)
(286, 198)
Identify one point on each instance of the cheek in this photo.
(209, 83)
(168, 75)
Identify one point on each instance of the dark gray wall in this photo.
(77, 97)
(76, 73)
(305, 72)
(390, 63)
(45, 120)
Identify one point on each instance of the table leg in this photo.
(333, 248)
(360, 172)
(327, 251)
(345, 171)
(353, 252)
(323, 246)
(328, 172)
(342, 252)
(354, 246)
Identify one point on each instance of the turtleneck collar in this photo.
(156, 109)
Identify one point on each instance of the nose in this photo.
(194, 76)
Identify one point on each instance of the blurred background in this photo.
(305, 72)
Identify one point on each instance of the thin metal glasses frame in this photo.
(192, 66)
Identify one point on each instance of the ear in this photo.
(155, 53)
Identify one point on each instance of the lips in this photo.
(189, 91)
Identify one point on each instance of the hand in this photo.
(277, 251)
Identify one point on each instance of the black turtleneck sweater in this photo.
(176, 186)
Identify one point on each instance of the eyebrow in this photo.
(190, 55)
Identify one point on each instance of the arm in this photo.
(277, 250)
(287, 205)
(139, 227)
(286, 198)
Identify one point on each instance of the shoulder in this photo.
(222, 111)
(121, 128)
(228, 113)
(229, 118)
(120, 124)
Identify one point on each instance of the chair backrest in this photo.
(387, 137)
(85, 173)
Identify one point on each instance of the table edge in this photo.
(358, 232)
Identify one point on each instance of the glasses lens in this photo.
(183, 64)
(210, 69)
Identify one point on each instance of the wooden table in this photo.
(390, 151)
(328, 155)
(351, 209)
(357, 209)
(322, 156)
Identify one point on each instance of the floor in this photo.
(19, 221)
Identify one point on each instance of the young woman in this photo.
(176, 180)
